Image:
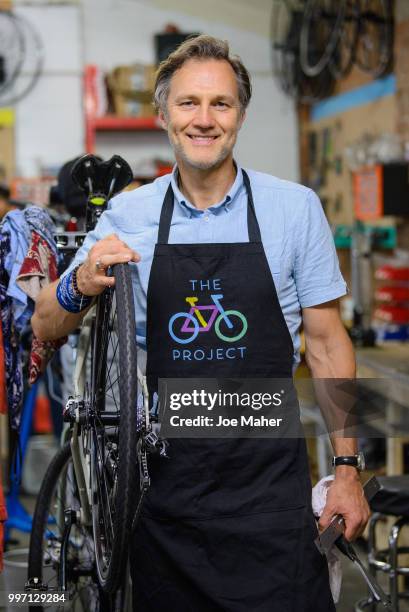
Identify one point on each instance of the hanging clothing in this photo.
(3, 391)
(3, 517)
(227, 524)
(38, 269)
(27, 248)
(19, 224)
(11, 340)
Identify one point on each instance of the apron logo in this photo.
(229, 325)
(193, 323)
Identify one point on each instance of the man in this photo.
(227, 524)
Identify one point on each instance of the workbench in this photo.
(389, 362)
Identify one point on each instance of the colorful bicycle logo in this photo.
(194, 323)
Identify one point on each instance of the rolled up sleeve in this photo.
(317, 274)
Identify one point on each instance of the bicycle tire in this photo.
(382, 60)
(322, 55)
(18, 36)
(34, 53)
(114, 463)
(343, 58)
(58, 468)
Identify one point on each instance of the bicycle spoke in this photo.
(107, 496)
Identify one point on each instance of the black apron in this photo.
(227, 524)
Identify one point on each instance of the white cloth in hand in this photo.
(319, 498)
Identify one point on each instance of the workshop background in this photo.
(330, 109)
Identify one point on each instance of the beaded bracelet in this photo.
(68, 295)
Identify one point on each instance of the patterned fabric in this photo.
(38, 270)
(68, 298)
(3, 517)
(19, 224)
(28, 261)
(3, 394)
(11, 340)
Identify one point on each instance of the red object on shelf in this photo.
(392, 294)
(392, 314)
(113, 122)
(392, 273)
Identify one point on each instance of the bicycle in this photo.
(105, 442)
(200, 325)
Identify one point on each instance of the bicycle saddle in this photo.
(101, 178)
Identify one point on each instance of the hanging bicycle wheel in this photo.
(28, 67)
(343, 57)
(320, 34)
(286, 22)
(375, 44)
(59, 491)
(12, 49)
(112, 415)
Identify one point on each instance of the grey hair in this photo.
(200, 47)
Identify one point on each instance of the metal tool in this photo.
(334, 535)
(327, 538)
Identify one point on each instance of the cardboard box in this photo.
(7, 147)
(131, 90)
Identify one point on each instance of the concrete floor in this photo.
(353, 585)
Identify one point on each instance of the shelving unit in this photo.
(107, 123)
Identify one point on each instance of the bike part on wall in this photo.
(375, 43)
(320, 34)
(315, 42)
(23, 57)
(12, 49)
(343, 58)
(286, 22)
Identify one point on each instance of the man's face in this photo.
(203, 113)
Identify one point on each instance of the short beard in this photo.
(202, 165)
(181, 153)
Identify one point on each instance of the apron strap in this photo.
(166, 216)
(252, 223)
(167, 212)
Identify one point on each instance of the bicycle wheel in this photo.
(343, 58)
(320, 33)
(59, 492)
(111, 409)
(12, 49)
(185, 316)
(375, 44)
(286, 22)
(286, 16)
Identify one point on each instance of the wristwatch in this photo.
(356, 461)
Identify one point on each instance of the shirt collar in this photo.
(224, 205)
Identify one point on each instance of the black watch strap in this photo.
(347, 460)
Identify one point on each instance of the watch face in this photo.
(361, 462)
